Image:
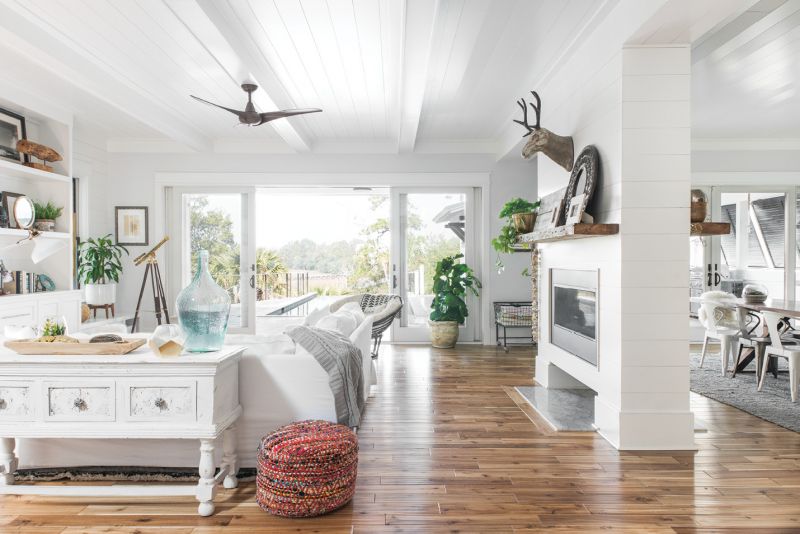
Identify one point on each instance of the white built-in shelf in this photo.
(19, 234)
(12, 299)
(16, 170)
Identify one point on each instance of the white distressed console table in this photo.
(138, 395)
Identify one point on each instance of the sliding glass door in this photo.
(427, 225)
(373, 241)
(218, 221)
(761, 248)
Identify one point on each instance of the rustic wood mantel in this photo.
(709, 228)
(568, 231)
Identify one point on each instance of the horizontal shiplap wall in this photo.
(655, 247)
(587, 105)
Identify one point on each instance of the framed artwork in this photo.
(556, 214)
(131, 226)
(9, 202)
(576, 208)
(12, 129)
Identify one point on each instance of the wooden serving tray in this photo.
(26, 346)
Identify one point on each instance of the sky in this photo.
(283, 216)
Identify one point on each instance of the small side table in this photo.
(94, 307)
(136, 396)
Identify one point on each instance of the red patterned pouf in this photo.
(307, 469)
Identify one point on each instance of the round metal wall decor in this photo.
(582, 183)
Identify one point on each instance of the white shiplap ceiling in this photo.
(391, 75)
(397, 74)
(746, 75)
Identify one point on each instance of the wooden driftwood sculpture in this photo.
(558, 148)
(42, 152)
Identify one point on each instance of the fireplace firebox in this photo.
(573, 313)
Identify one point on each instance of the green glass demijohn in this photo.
(203, 310)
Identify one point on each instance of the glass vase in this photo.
(203, 310)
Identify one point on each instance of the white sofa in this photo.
(274, 389)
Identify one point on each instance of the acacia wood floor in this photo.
(445, 448)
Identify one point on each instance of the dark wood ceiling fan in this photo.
(250, 116)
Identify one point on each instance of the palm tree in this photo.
(270, 270)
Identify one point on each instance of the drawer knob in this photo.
(80, 404)
(161, 404)
(3, 404)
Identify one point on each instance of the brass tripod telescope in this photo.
(152, 270)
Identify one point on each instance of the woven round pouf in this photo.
(307, 469)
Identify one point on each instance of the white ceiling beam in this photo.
(48, 49)
(233, 47)
(418, 24)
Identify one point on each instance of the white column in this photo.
(651, 410)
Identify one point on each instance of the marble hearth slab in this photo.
(564, 409)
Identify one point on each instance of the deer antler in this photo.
(536, 107)
(524, 122)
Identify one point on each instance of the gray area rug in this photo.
(773, 403)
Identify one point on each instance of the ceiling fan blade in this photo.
(272, 115)
(234, 111)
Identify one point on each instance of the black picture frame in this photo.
(9, 121)
(587, 166)
(9, 208)
(124, 239)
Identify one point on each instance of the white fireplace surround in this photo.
(632, 103)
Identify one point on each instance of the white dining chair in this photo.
(781, 348)
(720, 321)
(750, 326)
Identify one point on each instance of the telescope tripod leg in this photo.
(139, 301)
(162, 296)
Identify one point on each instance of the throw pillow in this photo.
(355, 309)
(342, 322)
(315, 315)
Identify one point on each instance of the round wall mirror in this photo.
(23, 212)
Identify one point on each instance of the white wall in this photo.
(511, 177)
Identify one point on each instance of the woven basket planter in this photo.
(307, 469)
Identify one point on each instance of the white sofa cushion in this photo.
(271, 344)
(343, 322)
(315, 315)
(354, 308)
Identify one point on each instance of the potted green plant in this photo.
(451, 282)
(520, 216)
(45, 216)
(99, 268)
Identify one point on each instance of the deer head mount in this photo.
(557, 148)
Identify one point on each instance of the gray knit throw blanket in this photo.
(342, 361)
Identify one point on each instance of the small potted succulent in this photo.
(99, 268)
(45, 216)
(451, 282)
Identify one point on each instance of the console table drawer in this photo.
(168, 401)
(79, 402)
(15, 401)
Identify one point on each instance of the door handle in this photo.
(253, 281)
(394, 281)
(717, 279)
